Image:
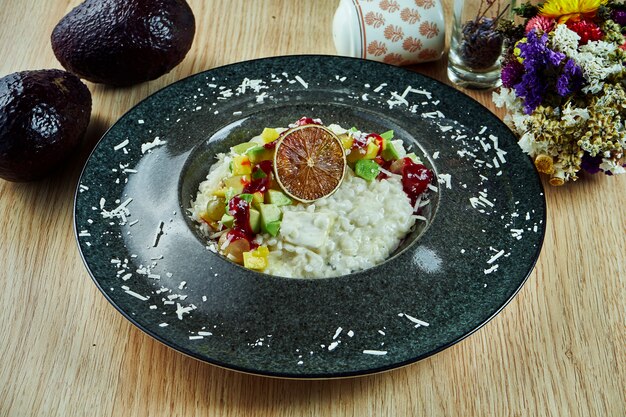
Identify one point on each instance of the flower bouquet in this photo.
(564, 86)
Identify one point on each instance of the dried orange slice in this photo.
(309, 162)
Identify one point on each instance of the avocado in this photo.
(278, 198)
(124, 42)
(227, 220)
(390, 153)
(43, 117)
(241, 148)
(259, 153)
(270, 218)
(388, 135)
(366, 169)
(272, 228)
(258, 198)
(413, 158)
(255, 220)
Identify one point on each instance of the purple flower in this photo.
(512, 73)
(570, 80)
(545, 71)
(591, 164)
(533, 85)
(619, 17)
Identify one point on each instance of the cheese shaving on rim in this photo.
(145, 147)
(445, 179)
(375, 352)
(119, 212)
(337, 333)
(380, 87)
(134, 294)
(180, 310)
(414, 320)
(121, 145)
(496, 256)
(301, 81)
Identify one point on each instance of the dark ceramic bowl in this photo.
(485, 230)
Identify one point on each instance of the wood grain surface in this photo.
(556, 350)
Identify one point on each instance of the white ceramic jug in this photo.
(398, 32)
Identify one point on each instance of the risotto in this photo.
(254, 221)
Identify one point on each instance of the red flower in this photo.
(543, 23)
(586, 29)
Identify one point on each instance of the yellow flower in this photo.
(517, 51)
(564, 10)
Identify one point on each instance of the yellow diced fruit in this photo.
(384, 143)
(269, 135)
(262, 251)
(242, 165)
(220, 192)
(355, 155)
(346, 141)
(237, 183)
(372, 151)
(256, 259)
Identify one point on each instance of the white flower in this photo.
(531, 146)
(608, 165)
(506, 97)
(520, 121)
(565, 40)
(597, 61)
(574, 115)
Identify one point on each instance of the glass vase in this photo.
(476, 46)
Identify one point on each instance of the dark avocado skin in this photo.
(124, 42)
(43, 118)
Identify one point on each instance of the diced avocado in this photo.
(242, 147)
(414, 158)
(388, 135)
(272, 228)
(269, 213)
(255, 220)
(390, 153)
(227, 220)
(366, 169)
(258, 198)
(269, 135)
(371, 151)
(230, 193)
(241, 165)
(278, 198)
(259, 153)
(399, 145)
(258, 174)
(237, 183)
(247, 197)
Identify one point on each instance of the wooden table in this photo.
(557, 349)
